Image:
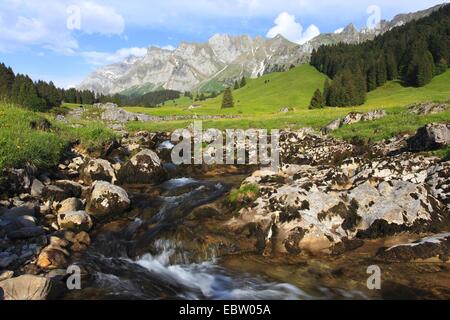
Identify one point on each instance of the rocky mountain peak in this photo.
(350, 29)
(223, 59)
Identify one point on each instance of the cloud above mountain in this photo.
(287, 26)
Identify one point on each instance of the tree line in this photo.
(150, 99)
(38, 95)
(413, 54)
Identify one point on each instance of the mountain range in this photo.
(212, 65)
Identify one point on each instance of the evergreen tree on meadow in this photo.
(425, 70)
(236, 85)
(243, 82)
(317, 100)
(227, 101)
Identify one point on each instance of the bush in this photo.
(246, 194)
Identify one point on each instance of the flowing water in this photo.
(162, 269)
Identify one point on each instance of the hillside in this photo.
(265, 97)
(261, 95)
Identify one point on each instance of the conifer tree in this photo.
(227, 101)
(391, 66)
(381, 72)
(371, 79)
(6, 82)
(317, 100)
(425, 70)
(243, 82)
(326, 92)
(236, 85)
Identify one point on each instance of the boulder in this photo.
(36, 188)
(331, 208)
(352, 117)
(71, 204)
(98, 169)
(373, 115)
(75, 221)
(430, 137)
(428, 108)
(55, 193)
(306, 147)
(27, 287)
(52, 257)
(73, 189)
(435, 247)
(5, 275)
(107, 199)
(332, 126)
(143, 168)
(14, 181)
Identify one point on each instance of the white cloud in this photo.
(100, 19)
(102, 58)
(97, 58)
(26, 23)
(338, 30)
(287, 26)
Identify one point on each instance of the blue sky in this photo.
(65, 40)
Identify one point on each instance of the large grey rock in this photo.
(75, 221)
(107, 199)
(72, 188)
(27, 287)
(71, 204)
(332, 126)
(143, 168)
(432, 247)
(36, 188)
(373, 115)
(330, 208)
(4, 275)
(352, 117)
(55, 193)
(14, 181)
(428, 108)
(98, 169)
(430, 137)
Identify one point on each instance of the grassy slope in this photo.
(259, 103)
(265, 95)
(20, 144)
